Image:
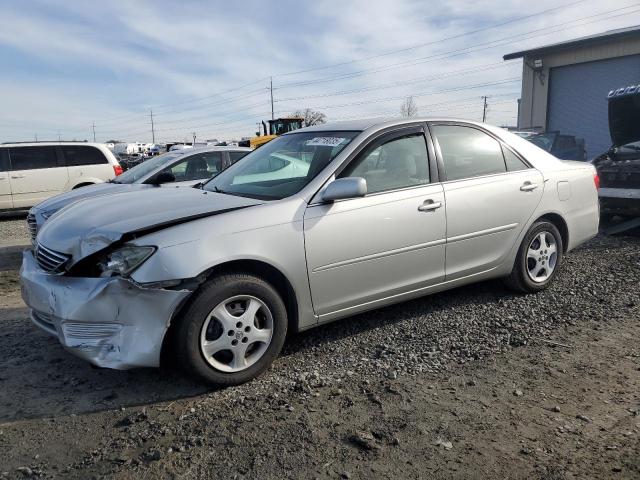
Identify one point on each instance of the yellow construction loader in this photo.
(277, 127)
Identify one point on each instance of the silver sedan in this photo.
(317, 225)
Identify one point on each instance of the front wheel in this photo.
(538, 259)
(232, 330)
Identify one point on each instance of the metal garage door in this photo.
(578, 98)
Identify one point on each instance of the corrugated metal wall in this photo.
(577, 102)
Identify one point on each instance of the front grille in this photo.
(32, 225)
(49, 260)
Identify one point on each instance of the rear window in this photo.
(4, 160)
(30, 158)
(77, 155)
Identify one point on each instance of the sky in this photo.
(205, 67)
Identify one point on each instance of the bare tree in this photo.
(311, 117)
(409, 108)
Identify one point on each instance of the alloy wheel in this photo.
(236, 333)
(542, 257)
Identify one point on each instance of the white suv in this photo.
(32, 172)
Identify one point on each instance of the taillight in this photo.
(596, 180)
(117, 169)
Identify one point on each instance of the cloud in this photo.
(71, 63)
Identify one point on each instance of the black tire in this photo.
(519, 279)
(191, 322)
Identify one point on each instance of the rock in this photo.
(583, 418)
(471, 383)
(444, 444)
(617, 468)
(364, 440)
(556, 409)
(26, 471)
(392, 374)
(345, 475)
(518, 393)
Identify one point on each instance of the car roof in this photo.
(47, 144)
(212, 148)
(377, 124)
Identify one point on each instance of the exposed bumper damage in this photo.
(110, 322)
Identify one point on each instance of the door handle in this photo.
(528, 186)
(429, 205)
(18, 176)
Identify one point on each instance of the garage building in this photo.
(565, 85)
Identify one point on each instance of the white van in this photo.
(32, 172)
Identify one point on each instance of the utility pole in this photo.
(93, 126)
(194, 139)
(36, 138)
(271, 90)
(59, 135)
(484, 108)
(153, 132)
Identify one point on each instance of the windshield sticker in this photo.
(325, 141)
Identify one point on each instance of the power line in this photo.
(439, 56)
(422, 45)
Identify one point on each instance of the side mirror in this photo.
(163, 177)
(349, 187)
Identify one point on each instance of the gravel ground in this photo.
(377, 394)
(13, 230)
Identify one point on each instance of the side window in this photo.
(214, 162)
(196, 167)
(4, 160)
(30, 158)
(235, 156)
(468, 152)
(77, 155)
(513, 161)
(398, 163)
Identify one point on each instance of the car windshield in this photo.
(281, 167)
(135, 174)
(544, 141)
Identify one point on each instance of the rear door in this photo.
(5, 184)
(490, 194)
(85, 164)
(36, 173)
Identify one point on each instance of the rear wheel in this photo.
(232, 331)
(538, 259)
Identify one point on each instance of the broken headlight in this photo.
(124, 260)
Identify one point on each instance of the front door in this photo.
(490, 195)
(390, 241)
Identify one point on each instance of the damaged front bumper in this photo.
(110, 322)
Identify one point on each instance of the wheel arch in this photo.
(561, 225)
(259, 268)
(82, 184)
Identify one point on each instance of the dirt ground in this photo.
(564, 404)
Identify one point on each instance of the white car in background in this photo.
(33, 172)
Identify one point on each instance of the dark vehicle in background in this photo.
(619, 167)
(565, 147)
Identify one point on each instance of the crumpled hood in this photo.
(92, 224)
(53, 204)
(624, 112)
